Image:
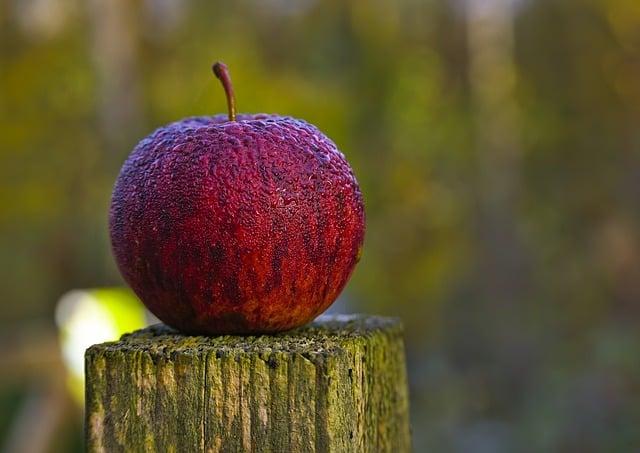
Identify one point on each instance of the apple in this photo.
(236, 224)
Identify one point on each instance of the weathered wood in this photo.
(336, 385)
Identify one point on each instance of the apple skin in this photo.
(236, 227)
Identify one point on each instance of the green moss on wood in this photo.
(336, 385)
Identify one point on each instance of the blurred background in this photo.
(497, 144)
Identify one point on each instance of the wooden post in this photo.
(337, 385)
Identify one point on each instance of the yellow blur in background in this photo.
(87, 317)
(497, 146)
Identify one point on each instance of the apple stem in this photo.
(222, 73)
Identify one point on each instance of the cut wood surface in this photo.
(338, 384)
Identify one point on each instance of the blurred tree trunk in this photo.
(76, 252)
(498, 152)
(115, 56)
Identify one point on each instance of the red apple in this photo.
(246, 224)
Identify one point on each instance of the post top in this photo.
(337, 384)
(325, 335)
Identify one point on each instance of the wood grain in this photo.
(336, 385)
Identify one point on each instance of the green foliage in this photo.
(502, 197)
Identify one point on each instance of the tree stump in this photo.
(338, 385)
